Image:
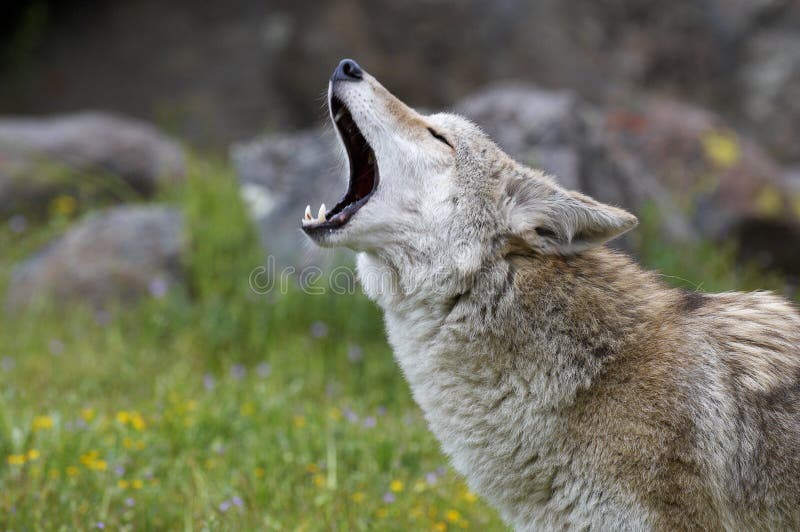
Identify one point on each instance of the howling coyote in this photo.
(571, 388)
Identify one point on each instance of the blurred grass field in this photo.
(216, 408)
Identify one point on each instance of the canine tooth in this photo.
(308, 212)
(321, 215)
(339, 115)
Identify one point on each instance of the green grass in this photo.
(213, 407)
(216, 408)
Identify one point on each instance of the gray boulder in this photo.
(770, 87)
(86, 155)
(110, 257)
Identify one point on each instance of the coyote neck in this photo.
(555, 322)
(497, 370)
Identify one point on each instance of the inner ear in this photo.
(544, 232)
(558, 221)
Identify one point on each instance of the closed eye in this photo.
(439, 137)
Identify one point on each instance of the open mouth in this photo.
(363, 175)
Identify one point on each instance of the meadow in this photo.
(211, 407)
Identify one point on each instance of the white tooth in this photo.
(321, 215)
(339, 115)
(308, 212)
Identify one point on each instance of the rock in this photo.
(110, 257)
(700, 174)
(280, 175)
(770, 80)
(86, 155)
(222, 72)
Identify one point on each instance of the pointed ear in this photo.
(553, 220)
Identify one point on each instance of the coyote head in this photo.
(433, 190)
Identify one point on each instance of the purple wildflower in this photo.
(350, 416)
(130, 502)
(388, 497)
(209, 382)
(355, 353)
(263, 370)
(319, 329)
(158, 287)
(381, 411)
(102, 318)
(7, 363)
(431, 478)
(237, 501)
(119, 470)
(370, 422)
(238, 371)
(101, 525)
(18, 223)
(224, 506)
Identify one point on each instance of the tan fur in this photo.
(571, 388)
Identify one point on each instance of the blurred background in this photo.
(155, 158)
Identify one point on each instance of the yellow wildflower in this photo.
(452, 516)
(396, 486)
(382, 512)
(463, 523)
(259, 472)
(72, 471)
(769, 202)
(312, 468)
(42, 422)
(87, 414)
(16, 459)
(247, 409)
(335, 414)
(53, 474)
(357, 497)
(137, 484)
(93, 461)
(722, 148)
(127, 442)
(89, 457)
(420, 486)
(137, 421)
(319, 480)
(469, 496)
(123, 484)
(299, 421)
(33, 454)
(123, 417)
(191, 405)
(440, 527)
(63, 205)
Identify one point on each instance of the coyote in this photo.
(570, 387)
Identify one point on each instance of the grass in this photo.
(215, 408)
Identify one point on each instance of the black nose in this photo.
(348, 70)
